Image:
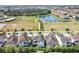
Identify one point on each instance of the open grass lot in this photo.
(61, 26)
(26, 22)
(29, 23)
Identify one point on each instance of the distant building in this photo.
(3, 19)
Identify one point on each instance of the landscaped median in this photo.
(55, 49)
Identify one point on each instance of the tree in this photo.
(28, 12)
(22, 29)
(8, 30)
(67, 29)
(52, 29)
(15, 30)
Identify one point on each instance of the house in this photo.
(24, 40)
(65, 40)
(12, 40)
(51, 40)
(18, 38)
(75, 38)
(38, 41)
(8, 34)
(2, 40)
(30, 34)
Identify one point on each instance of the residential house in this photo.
(24, 40)
(12, 40)
(2, 40)
(38, 41)
(75, 38)
(51, 40)
(65, 40)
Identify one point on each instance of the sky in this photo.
(39, 2)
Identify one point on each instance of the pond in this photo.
(48, 19)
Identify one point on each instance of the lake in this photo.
(48, 19)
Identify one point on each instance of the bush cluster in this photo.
(17, 49)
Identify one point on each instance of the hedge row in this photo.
(14, 49)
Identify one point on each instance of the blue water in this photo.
(48, 19)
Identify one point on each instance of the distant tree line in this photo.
(27, 12)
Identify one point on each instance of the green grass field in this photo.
(26, 22)
(31, 23)
(61, 26)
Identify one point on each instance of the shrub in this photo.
(29, 29)
(28, 49)
(45, 50)
(57, 49)
(0, 49)
(25, 50)
(32, 49)
(77, 45)
(8, 30)
(22, 29)
(67, 29)
(48, 49)
(65, 49)
(52, 29)
(15, 30)
(17, 49)
(9, 49)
